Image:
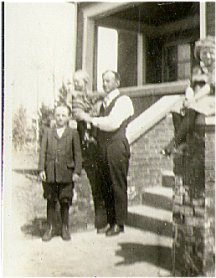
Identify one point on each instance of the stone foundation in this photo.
(194, 203)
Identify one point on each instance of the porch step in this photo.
(168, 179)
(158, 197)
(152, 219)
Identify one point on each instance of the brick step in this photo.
(158, 197)
(152, 219)
(168, 179)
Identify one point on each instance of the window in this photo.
(184, 61)
(107, 52)
(170, 63)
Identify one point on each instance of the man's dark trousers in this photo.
(114, 162)
(114, 155)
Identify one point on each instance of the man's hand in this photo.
(75, 177)
(42, 175)
(82, 116)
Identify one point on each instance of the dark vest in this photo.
(104, 137)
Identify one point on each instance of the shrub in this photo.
(19, 128)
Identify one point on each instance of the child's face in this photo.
(61, 116)
(79, 84)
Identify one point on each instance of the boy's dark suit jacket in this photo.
(60, 157)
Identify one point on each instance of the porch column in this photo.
(141, 59)
(88, 47)
(202, 20)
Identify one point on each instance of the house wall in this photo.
(39, 52)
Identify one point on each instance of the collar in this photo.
(60, 128)
(111, 96)
(59, 132)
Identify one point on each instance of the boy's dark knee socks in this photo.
(50, 212)
(65, 211)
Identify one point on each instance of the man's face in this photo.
(109, 82)
(61, 116)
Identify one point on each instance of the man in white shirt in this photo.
(114, 150)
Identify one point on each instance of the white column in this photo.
(202, 20)
(144, 50)
(139, 59)
(88, 47)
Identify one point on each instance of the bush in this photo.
(19, 128)
(46, 114)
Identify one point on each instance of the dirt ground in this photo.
(134, 253)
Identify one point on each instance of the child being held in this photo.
(82, 100)
(60, 165)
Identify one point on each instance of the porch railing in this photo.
(146, 95)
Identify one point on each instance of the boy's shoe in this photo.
(115, 230)
(103, 230)
(65, 233)
(48, 234)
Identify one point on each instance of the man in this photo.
(114, 150)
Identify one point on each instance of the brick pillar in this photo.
(194, 203)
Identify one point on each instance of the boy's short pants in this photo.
(58, 191)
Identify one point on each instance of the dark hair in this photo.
(63, 105)
(116, 74)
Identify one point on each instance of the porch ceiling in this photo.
(157, 13)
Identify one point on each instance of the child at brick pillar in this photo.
(202, 92)
(60, 165)
(82, 100)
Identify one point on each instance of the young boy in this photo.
(60, 166)
(82, 100)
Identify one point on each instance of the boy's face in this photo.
(61, 116)
(79, 83)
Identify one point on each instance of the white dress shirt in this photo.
(60, 131)
(121, 111)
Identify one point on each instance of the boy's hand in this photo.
(75, 178)
(42, 175)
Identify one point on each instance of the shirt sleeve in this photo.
(189, 93)
(122, 110)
